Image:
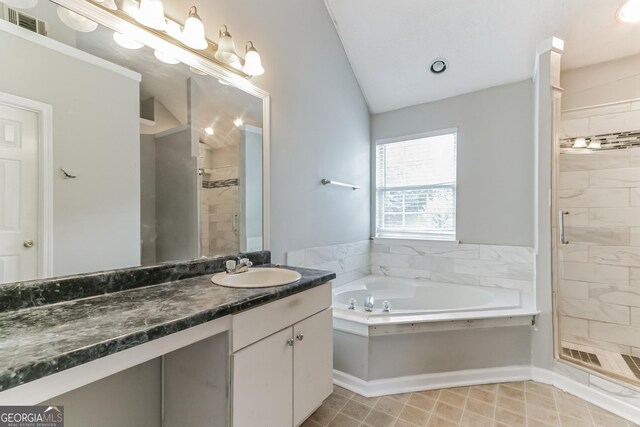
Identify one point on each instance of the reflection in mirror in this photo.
(109, 147)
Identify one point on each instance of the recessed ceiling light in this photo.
(438, 66)
(629, 11)
(238, 122)
(209, 130)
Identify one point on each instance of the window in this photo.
(416, 187)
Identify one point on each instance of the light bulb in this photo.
(209, 130)
(226, 52)
(165, 57)
(238, 122)
(21, 4)
(252, 63)
(126, 41)
(580, 143)
(594, 144)
(629, 11)
(151, 14)
(193, 32)
(76, 21)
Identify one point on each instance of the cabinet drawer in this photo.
(257, 323)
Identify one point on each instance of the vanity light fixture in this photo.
(580, 143)
(226, 52)
(21, 4)
(151, 14)
(165, 57)
(76, 21)
(209, 131)
(238, 122)
(193, 32)
(252, 63)
(594, 144)
(126, 41)
(629, 12)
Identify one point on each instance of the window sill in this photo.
(424, 241)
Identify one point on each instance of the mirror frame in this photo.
(120, 22)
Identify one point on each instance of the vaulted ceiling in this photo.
(391, 44)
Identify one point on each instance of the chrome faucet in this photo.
(368, 303)
(240, 265)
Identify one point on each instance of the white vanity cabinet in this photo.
(281, 364)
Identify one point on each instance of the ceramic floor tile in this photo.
(515, 404)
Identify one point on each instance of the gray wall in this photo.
(495, 165)
(101, 207)
(131, 398)
(148, 199)
(319, 121)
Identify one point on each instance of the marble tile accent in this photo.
(616, 333)
(573, 180)
(607, 236)
(615, 178)
(589, 272)
(349, 261)
(588, 198)
(594, 310)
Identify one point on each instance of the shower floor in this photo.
(620, 366)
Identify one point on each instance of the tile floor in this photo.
(516, 404)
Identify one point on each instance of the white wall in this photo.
(495, 168)
(100, 209)
(319, 121)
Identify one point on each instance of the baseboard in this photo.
(589, 394)
(430, 381)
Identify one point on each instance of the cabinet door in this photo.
(312, 364)
(262, 372)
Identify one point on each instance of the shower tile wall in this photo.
(599, 289)
(219, 207)
(599, 271)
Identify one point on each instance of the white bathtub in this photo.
(415, 302)
(418, 344)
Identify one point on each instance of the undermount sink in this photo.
(256, 278)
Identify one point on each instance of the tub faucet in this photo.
(352, 303)
(386, 307)
(240, 265)
(368, 303)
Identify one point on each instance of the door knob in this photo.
(28, 243)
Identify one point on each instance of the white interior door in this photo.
(18, 194)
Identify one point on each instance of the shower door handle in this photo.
(561, 215)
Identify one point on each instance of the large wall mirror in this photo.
(115, 154)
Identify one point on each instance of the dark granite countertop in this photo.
(41, 340)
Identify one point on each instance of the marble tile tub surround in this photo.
(19, 295)
(492, 266)
(43, 340)
(350, 261)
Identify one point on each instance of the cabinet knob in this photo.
(299, 337)
(290, 342)
(27, 244)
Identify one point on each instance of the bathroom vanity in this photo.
(230, 357)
